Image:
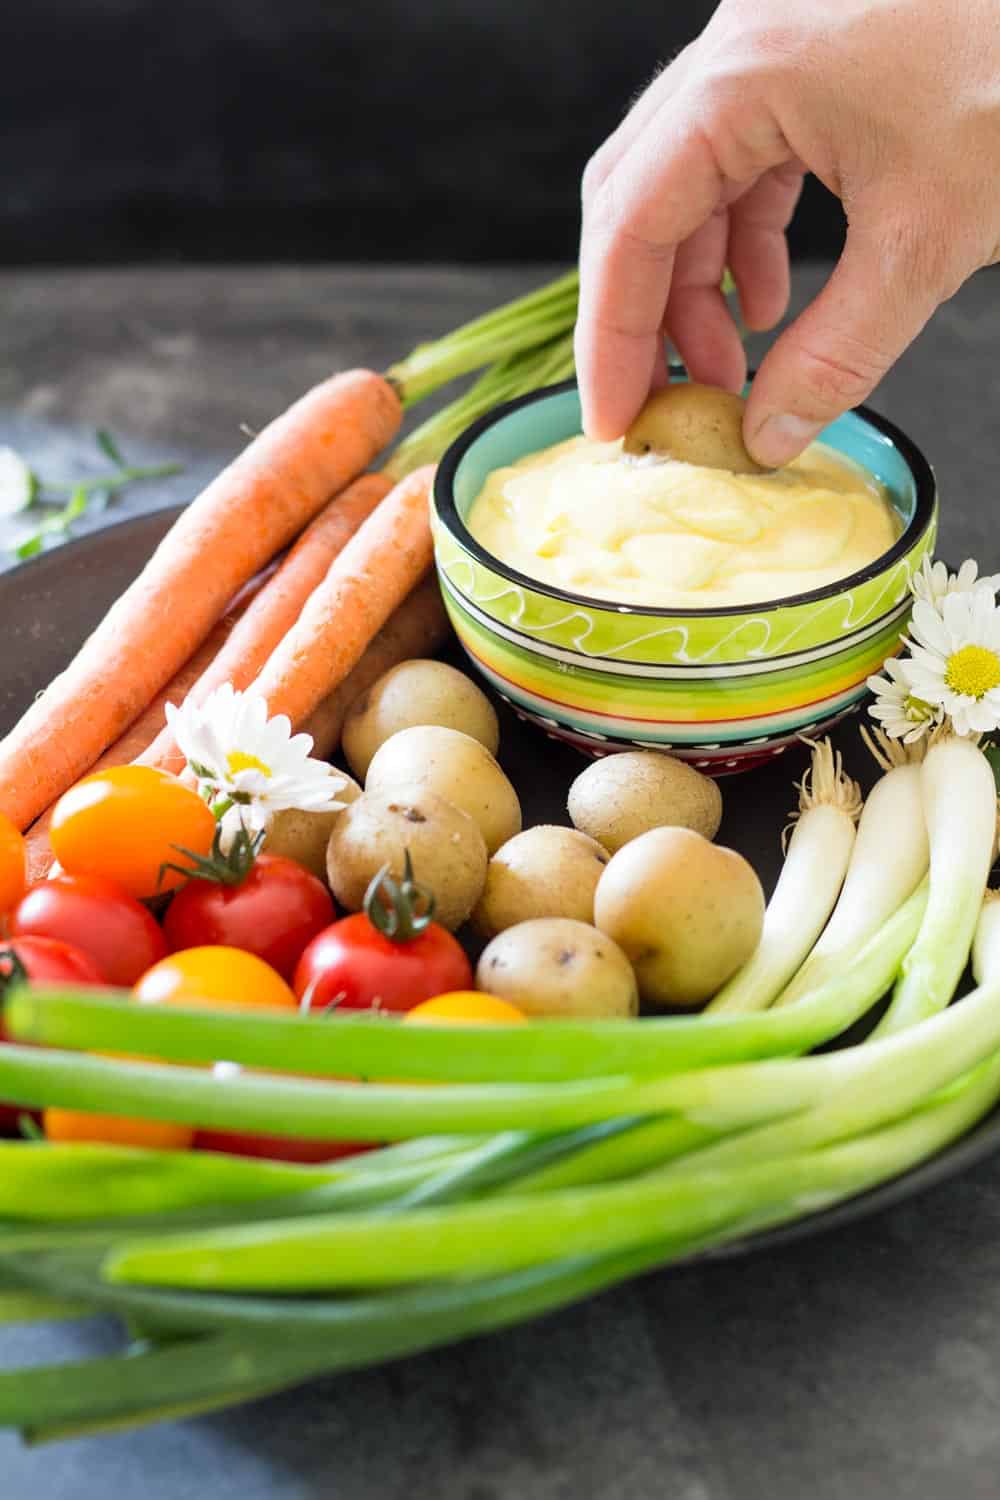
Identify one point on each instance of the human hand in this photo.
(893, 104)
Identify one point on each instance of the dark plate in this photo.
(49, 605)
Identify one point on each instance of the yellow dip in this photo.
(653, 531)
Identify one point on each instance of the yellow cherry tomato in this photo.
(12, 864)
(216, 978)
(71, 1125)
(464, 1008)
(126, 823)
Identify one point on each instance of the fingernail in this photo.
(782, 438)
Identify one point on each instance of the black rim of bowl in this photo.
(447, 509)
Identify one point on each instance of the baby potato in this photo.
(546, 871)
(685, 911)
(303, 836)
(445, 846)
(416, 692)
(455, 766)
(698, 424)
(626, 794)
(553, 966)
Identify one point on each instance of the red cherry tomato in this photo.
(274, 912)
(273, 1148)
(44, 961)
(49, 961)
(126, 824)
(353, 966)
(93, 914)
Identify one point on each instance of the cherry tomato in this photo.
(353, 966)
(275, 912)
(465, 1008)
(230, 978)
(215, 977)
(126, 824)
(71, 1125)
(274, 1148)
(49, 961)
(12, 864)
(44, 961)
(93, 914)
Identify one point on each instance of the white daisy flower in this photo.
(901, 714)
(955, 659)
(248, 766)
(933, 583)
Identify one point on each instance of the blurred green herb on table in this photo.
(23, 491)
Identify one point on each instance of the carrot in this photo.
(379, 566)
(417, 628)
(276, 608)
(129, 746)
(246, 515)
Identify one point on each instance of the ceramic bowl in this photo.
(722, 688)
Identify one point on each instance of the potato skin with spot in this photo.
(626, 794)
(304, 836)
(546, 871)
(445, 847)
(420, 691)
(553, 966)
(698, 424)
(686, 912)
(454, 766)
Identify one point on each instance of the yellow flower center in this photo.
(238, 760)
(973, 671)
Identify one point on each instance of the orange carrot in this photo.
(145, 728)
(275, 610)
(252, 510)
(417, 628)
(379, 566)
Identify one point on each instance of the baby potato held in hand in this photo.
(687, 913)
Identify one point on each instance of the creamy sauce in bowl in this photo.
(654, 532)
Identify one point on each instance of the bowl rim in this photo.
(447, 510)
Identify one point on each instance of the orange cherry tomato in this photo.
(12, 864)
(126, 823)
(233, 979)
(464, 1008)
(215, 978)
(71, 1125)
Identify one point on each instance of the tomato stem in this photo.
(220, 866)
(399, 909)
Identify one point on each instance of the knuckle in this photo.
(595, 174)
(838, 378)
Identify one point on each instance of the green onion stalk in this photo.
(545, 1052)
(507, 331)
(34, 1076)
(241, 1346)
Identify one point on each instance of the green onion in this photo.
(526, 371)
(546, 1051)
(501, 1235)
(525, 323)
(816, 862)
(960, 807)
(888, 862)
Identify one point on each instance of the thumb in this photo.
(835, 353)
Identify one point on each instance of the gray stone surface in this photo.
(865, 1363)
